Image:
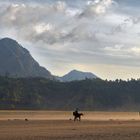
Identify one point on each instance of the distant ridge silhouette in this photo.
(77, 75)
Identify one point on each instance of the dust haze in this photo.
(59, 125)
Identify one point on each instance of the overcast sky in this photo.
(100, 36)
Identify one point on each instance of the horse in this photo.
(77, 116)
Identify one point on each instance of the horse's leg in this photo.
(79, 118)
(74, 118)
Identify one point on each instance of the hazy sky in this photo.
(100, 36)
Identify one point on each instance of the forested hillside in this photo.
(96, 94)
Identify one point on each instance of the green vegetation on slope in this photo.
(96, 94)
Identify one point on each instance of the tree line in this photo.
(88, 94)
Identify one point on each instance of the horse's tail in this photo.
(74, 113)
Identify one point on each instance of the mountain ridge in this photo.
(74, 75)
(18, 62)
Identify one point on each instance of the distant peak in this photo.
(10, 41)
(78, 71)
(74, 70)
(77, 75)
(18, 61)
(7, 39)
(10, 44)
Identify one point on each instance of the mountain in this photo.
(16, 61)
(77, 75)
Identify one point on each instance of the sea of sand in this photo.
(59, 125)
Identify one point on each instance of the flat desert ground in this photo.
(58, 125)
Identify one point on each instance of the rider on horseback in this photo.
(77, 115)
(75, 112)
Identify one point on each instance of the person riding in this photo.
(76, 111)
(77, 115)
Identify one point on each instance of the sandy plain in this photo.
(58, 125)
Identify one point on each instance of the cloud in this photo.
(48, 21)
(42, 27)
(97, 7)
(87, 32)
(135, 50)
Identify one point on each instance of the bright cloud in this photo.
(42, 27)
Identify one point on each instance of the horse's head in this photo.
(81, 114)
